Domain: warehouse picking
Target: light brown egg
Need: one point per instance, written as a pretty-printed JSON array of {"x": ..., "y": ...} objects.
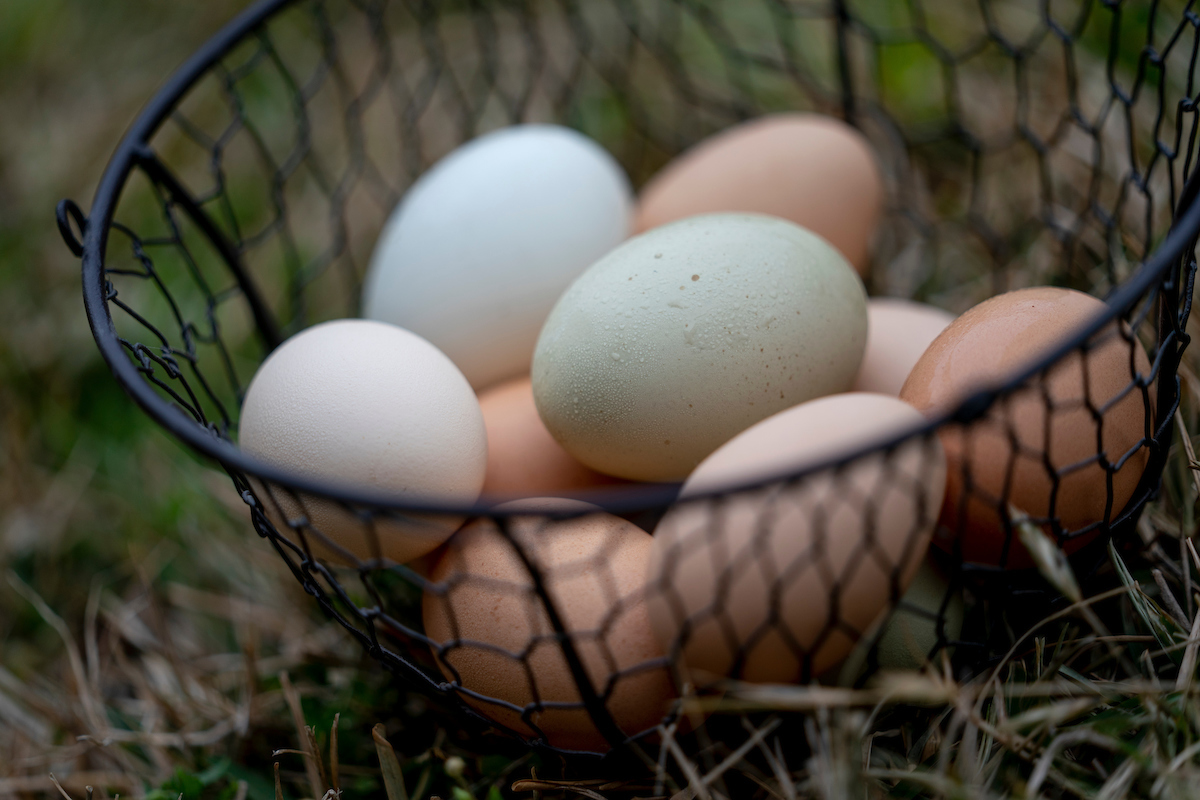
[
  {"x": 499, "y": 642},
  {"x": 763, "y": 581},
  {"x": 1104, "y": 413},
  {"x": 898, "y": 333},
  {"x": 814, "y": 170},
  {"x": 523, "y": 458}
]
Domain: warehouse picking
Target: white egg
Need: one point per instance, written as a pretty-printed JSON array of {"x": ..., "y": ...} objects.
[
  {"x": 483, "y": 244},
  {"x": 370, "y": 407},
  {"x": 685, "y": 336}
]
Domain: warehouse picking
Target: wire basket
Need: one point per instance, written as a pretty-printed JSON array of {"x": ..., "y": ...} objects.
[{"x": 1022, "y": 143}]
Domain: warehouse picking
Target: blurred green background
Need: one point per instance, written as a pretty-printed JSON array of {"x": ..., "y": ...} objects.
[
  {"x": 119, "y": 576},
  {"x": 85, "y": 477}
]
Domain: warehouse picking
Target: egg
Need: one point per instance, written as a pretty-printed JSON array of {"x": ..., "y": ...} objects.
[
  {"x": 365, "y": 407},
  {"x": 483, "y": 244},
  {"x": 898, "y": 333},
  {"x": 910, "y": 631},
  {"x": 777, "y": 584},
  {"x": 682, "y": 337},
  {"x": 1053, "y": 472},
  {"x": 813, "y": 170},
  {"x": 523, "y": 458},
  {"x": 491, "y": 634}
]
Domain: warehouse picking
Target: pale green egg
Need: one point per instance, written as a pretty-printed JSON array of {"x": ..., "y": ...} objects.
[
  {"x": 910, "y": 632},
  {"x": 683, "y": 337}
]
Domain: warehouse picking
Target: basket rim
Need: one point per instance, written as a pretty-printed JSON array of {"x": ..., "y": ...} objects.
[{"x": 134, "y": 145}]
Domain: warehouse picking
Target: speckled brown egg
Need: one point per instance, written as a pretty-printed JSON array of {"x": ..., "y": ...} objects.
[
  {"x": 523, "y": 459},
  {"x": 497, "y": 639},
  {"x": 814, "y": 170},
  {"x": 1057, "y": 469}
]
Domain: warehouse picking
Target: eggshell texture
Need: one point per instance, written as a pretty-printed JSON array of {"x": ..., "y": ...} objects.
[
  {"x": 813, "y": 170},
  {"x": 523, "y": 458},
  {"x": 498, "y": 640},
  {"x": 898, "y": 333},
  {"x": 369, "y": 407},
  {"x": 484, "y": 243},
  {"x": 684, "y": 336},
  {"x": 756, "y": 584},
  {"x": 911, "y": 631},
  {"x": 987, "y": 344}
]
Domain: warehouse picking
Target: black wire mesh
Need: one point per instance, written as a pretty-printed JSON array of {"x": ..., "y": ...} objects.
[{"x": 1022, "y": 144}]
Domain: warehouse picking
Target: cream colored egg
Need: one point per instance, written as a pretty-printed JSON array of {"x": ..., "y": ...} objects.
[
  {"x": 898, "y": 334},
  {"x": 683, "y": 337},
  {"x": 492, "y": 634},
  {"x": 777, "y": 584},
  {"x": 367, "y": 407}
]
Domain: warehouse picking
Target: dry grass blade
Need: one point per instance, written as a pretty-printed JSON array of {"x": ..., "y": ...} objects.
[
  {"x": 1050, "y": 716},
  {"x": 728, "y": 763},
  {"x": 1186, "y": 439},
  {"x": 91, "y": 705},
  {"x": 302, "y": 732},
  {"x": 574, "y": 787},
  {"x": 58, "y": 786},
  {"x": 1159, "y": 622},
  {"x": 1050, "y": 560},
  {"x": 311, "y": 737},
  {"x": 1168, "y": 598},
  {"x": 335, "y": 780},
  {"x": 770, "y": 697},
  {"x": 1187, "y": 669},
  {"x": 41, "y": 784},
  {"x": 1043, "y": 768},
  {"x": 778, "y": 764},
  {"x": 1119, "y": 783},
  {"x": 536, "y": 784},
  {"x": 689, "y": 770},
  {"x": 1195, "y": 556},
  {"x": 393, "y": 778}
]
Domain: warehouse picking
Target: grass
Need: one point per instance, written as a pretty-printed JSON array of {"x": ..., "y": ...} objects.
[{"x": 151, "y": 646}]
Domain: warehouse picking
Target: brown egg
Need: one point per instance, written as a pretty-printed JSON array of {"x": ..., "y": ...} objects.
[
  {"x": 813, "y": 170},
  {"x": 499, "y": 642},
  {"x": 523, "y": 458},
  {"x": 898, "y": 333},
  {"x": 758, "y": 584},
  {"x": 987, "y": 344}
]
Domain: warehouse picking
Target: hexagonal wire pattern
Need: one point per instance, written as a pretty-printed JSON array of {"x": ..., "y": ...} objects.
[{"x": 1022, "y": 143}]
